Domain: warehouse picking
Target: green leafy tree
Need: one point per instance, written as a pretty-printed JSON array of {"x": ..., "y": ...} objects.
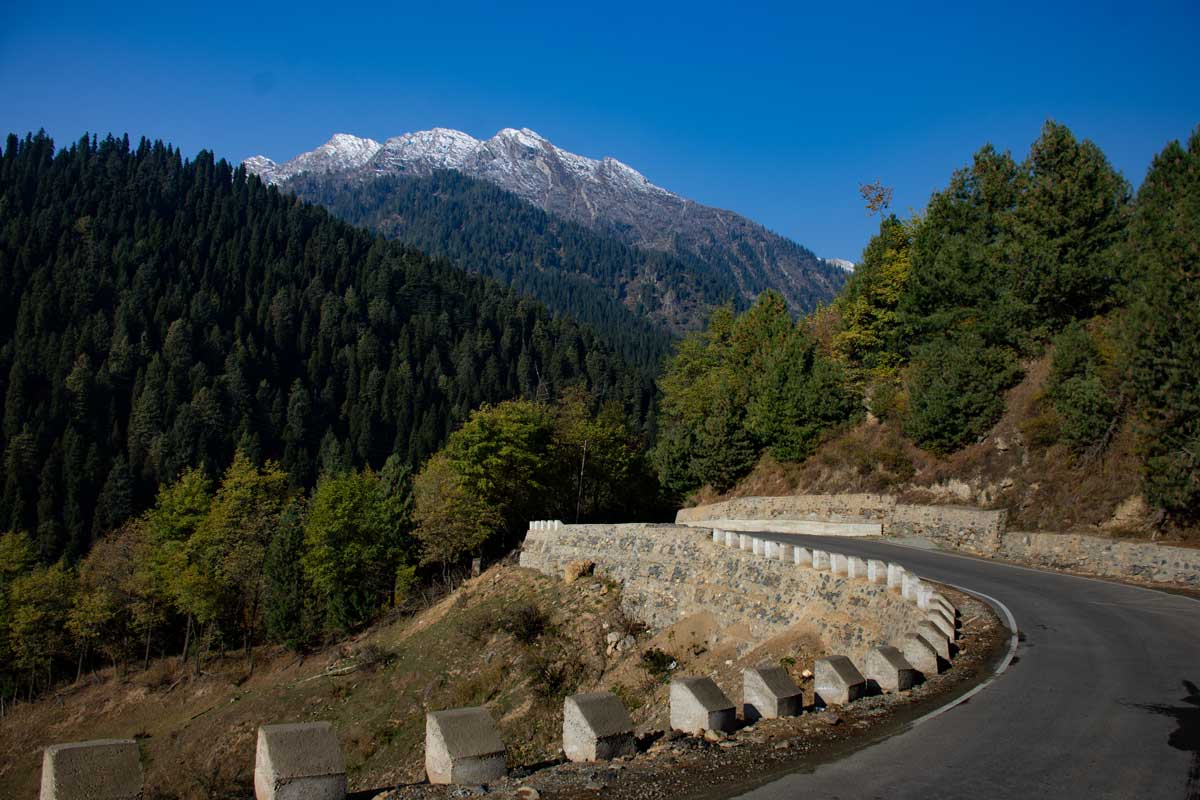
[
  {"x": 355, "y": 536},
  {"x": 452, "y": 521},
  {"x": 284, "y": 613},
  {"x": 39, "y": 604},
  {"x": 223, "y": 581}
]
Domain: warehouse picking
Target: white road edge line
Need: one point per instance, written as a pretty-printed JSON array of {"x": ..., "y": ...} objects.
[{"x": 1013, "y": 641}]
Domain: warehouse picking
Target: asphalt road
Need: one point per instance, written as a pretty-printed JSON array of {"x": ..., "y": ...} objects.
[{"x": 1100, "y": 701}]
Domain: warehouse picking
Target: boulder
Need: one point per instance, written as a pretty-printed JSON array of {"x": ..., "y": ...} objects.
[
  {"x": 837, "y": 681},
  {"x": 596, "y": 727},
  {"x": 300, "y": 761},
  {"x": 698, "y": 705},
  {"x": 462, "y": 745},
  {"x": 887, "y": 670},
  {"x": 107, "y": 769},
  {"x": 769, "y": 692}
]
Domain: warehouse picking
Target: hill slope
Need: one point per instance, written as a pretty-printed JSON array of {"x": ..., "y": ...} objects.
[
  {"x": 157, "y": 313},
  {"x": 605, "y": 195},
  {"x": 635, "y": 297}
]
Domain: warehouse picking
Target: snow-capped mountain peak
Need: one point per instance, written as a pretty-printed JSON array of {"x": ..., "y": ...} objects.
[
  {"x": 342, "y": 153},
  {"x": 840, "y": 262},
  {"x": 603, "y": 193}
]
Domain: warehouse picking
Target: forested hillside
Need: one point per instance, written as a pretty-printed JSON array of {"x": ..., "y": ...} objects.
[
  {"x": 633, "y": 297},
  {"x": 158, "y": 313},
  {"x": 1015, "y": 263}
]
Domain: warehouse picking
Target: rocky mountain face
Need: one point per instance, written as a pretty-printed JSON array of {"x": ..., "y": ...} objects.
[{"x": 605, "y": 195}]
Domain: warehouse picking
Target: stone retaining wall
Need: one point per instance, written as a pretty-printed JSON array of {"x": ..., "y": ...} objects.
[
  {"x": 973, "y": 530},
  {"x": 961, "y": 527},
  {"x": 670, "y": 571},
  {"x": 1097, "y": 555}
]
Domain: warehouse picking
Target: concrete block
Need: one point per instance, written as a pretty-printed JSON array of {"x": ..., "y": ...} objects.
[
  {"x": 877, "y": 571},
  {"x": 820, "y": 560},
  {"x": 895, "y": 576},
  {"x": 784, "y": 552},
  {"x": 920, "y": 653},
  {"x": 924, "y": 590},
  {"x": 596, "y": 727},
  {"x": 731, "y": 539},
  {"x": 839, "y": 564},
  {"x": 745, "y": 541},
  {"x": 756, "y": 545},
  {"x": 837, "y": 681},
  {"x": 940, "y": 601},
  {"x": 932, "y": 634},
  {"x": 299, "y": 762},
  {"x": 942, "y": 624},
  {"x": 698, "y": 705},
  {"x": 718, "y": 536},
  {"x": 888, "y": 670},
  {"x": 803, "y": 557},
  {"x": 769, "y": 692},
  {"x": 856, "y": 568},
  {"x": 936, "y": 610},
  {"x": 908, "y": 587},
  {"x": 102, "y": 769},
  {"x": 462, "y": 745}
]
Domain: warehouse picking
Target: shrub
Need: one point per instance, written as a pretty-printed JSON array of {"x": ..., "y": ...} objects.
[
  {"x": 524, "y": 621},
  {"x": 658, "y": 663}
]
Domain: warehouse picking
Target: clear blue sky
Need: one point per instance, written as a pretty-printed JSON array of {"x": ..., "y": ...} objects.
[{"x": 776, "y": 112}]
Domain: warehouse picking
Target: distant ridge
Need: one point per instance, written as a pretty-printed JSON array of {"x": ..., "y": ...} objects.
[{"x": 603, "y": 194}]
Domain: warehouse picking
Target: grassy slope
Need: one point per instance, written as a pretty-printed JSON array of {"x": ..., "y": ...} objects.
[{"x": 198, "y": 736}]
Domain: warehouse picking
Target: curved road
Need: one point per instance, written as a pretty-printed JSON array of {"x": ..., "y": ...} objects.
[{"x": 1101, "y": 700}]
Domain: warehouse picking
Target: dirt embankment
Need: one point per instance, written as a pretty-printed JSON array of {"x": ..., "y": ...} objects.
[{"x": 512, "y": 640}]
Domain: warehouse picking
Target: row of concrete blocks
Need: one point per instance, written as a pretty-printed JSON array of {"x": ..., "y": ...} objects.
[
  {"x": 463, "y": 746},
  {"x": 304, "y": 761},
  {"x": 894, "y": 576},
  {"x": 545, "y": 524}
]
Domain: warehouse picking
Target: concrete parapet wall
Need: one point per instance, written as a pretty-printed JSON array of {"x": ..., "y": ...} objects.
[{"x": 669, "y": 572}]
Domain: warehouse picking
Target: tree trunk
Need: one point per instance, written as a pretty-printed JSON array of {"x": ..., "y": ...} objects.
[
  {"x": 79, "y": 668},
  {"x": 187, "y": 638},
  {"x": 146, "y": 659},
  {"x": 579, "y": 496}
]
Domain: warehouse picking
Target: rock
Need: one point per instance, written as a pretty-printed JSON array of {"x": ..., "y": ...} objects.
[
  {"x": 784, "y": 745},
  {"x": 830, "y": 718},
  {"x": 806, "y": 674},
  {"x": 528, "y": 793},
  {"x": 714, "y": 736},
  {"x": 613, "y": 637},
  {"x": 578, "y": 569}
]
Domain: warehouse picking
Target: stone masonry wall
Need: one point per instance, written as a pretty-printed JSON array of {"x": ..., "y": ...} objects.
[
  {"x": 972, "y": 529},
  {"x": 1097, "y": 555},
  {"x": 669, "y": 572}
]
